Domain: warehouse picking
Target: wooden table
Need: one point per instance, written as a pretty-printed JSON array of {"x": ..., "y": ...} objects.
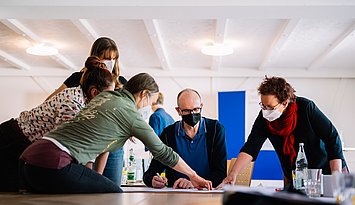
[{"x": 113, "y": 199}]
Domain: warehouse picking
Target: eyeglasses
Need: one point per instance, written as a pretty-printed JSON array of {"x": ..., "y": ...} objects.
[
  {"x": 268, "y": 107},
  {"x": 189, "y": 111}
]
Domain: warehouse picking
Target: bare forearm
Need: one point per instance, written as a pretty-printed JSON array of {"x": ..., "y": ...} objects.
[
  {"x": 89, "y": 165},
  {"x": 182, "y": 167},
  {"x": 242, "y": 161},
  {"x": 100, "y": 162},
  {"x": 335, "y": 165}
]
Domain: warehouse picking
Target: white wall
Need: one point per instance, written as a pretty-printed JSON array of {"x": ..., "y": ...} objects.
[{"x": 334, "y": 96}]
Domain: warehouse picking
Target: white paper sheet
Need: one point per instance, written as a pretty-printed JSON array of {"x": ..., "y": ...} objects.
[{"x": 166, "y": 189}]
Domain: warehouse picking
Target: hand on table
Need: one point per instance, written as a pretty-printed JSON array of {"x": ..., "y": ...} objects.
[
  {"x": 230, "y": 179},
  {"x": 183, "y": 183},
  {"x": 200, "y": 183},
  {"x": 159, "y": 182}
]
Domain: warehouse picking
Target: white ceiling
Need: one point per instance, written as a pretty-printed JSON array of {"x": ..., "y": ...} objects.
[{"x": 297, "y": 38}]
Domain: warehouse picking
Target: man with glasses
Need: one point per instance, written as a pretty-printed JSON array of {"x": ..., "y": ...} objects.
[
  {"x": 198, "y": 140},
  {"x": 287, "y": 120}
]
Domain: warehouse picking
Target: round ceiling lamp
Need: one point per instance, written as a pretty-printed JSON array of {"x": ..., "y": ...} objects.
[
  {"x": 42, "y": 50},
  {"x": 217, "y": 50}
]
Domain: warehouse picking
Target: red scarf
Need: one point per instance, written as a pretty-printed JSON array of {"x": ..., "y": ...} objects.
[{"x": 284, "y": 127}]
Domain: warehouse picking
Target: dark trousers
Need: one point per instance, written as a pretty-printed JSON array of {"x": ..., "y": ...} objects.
[
  {"x": 12, "y": 144},
  {"x": 72, "y": 179}
]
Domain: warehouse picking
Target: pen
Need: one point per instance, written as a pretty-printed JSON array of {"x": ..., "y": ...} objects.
[{"x": 166, "y": 184}]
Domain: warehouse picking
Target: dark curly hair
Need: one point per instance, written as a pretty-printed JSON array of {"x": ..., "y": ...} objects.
[{"x": 279, "y": 87}]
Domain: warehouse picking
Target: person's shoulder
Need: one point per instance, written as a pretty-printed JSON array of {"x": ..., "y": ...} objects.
[
  {"x": 68, "y": 92},
  {"x": 154, "y": 116},
  {"x": 213, "y": 123},
  {"x": 302, "y": 99},
  {"x": 174, "y": 124},
  {"x": 160, "y": 111},
  {"x": 304, "y": 102},
  {"x": 122, "y": 80},
  {"x": 171, "y": 127},
  {"x": 78, "y": 73},
  {"x": 210, "y": 121},
  {"x": 116, "y": 97},
  {"x": 74, "y": 79}
]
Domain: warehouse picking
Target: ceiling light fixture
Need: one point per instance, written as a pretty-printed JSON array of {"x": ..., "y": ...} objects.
[
  {"x": 42, "y": 50},
  {"x": 217, "y": 50}
]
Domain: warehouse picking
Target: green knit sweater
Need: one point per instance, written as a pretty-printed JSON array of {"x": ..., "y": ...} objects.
[{"x": 105, "y": 124}]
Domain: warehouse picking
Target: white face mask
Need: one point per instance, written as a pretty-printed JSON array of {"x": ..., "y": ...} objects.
[
  {"x": 110, "y": 64},
  {"x": 271, "y": 115},
  {"x": 145, "y": 111}
]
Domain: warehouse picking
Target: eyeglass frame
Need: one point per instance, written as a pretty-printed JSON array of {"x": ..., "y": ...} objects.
[
  {"x": 263, "y": 107},
  {"x": 190, "y": 111}
]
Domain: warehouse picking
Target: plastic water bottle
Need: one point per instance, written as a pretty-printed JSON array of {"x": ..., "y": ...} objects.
[
  {"x": 131, "y": 168},
  {"x": 301, "y": 169}
]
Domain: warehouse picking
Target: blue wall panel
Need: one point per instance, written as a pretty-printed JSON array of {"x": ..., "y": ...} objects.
[
  {"x": 231, "y": 113},
  {"x": 267, "y": 166}
]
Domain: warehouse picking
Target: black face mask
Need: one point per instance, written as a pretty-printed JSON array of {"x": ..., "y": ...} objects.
[{"x": 191, "y": 119}]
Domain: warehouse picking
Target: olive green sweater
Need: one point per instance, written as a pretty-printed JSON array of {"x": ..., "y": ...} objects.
[{"x": 105, "y": 124}]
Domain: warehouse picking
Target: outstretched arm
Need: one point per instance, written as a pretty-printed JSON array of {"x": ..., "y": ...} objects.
[
  {"x": 335, "y": 165},
  {"x": 242, "y": 161},
  {"x": 196, "y": 180}
]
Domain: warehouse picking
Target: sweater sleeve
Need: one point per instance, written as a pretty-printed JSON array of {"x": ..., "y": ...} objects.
[
  {"x": 154, "y": 167},
  {"x": 219, "y": 165},
  {"x": 324, "y": 128},
  {"x": 256, "y": 137},
  {"x": 141, "y": 130}
]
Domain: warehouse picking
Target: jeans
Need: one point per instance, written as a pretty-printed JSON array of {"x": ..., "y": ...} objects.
[
  {"x": 71, "y": 179},
  {"x": 114, "y": 165}
]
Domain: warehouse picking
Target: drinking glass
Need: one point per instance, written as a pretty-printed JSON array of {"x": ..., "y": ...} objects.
[{"x": 314, "y": 182}]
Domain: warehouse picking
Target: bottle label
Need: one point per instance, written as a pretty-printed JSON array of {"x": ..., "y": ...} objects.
[
  {"x": 131, "y": 176},
  {"x": 131, "y": 158},
  {"x": 300, "y": 179}
]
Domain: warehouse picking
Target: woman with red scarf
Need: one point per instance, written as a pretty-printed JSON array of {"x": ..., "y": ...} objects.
[{"x": 287, "y": 120}]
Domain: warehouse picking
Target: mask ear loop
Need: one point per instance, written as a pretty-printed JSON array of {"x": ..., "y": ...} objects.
[
  {"x": 148, "y": 99},
  {"x": 147, "y": 102},
  {"x": 142, "y": 103}
]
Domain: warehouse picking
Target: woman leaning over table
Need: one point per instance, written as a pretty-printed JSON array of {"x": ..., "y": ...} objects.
[
  {"x": 106, "y": 49},
  {"x": 55, "y": 164},
  {"x": 17, "y": 134},
  {"x": 287, "y": 120}
]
